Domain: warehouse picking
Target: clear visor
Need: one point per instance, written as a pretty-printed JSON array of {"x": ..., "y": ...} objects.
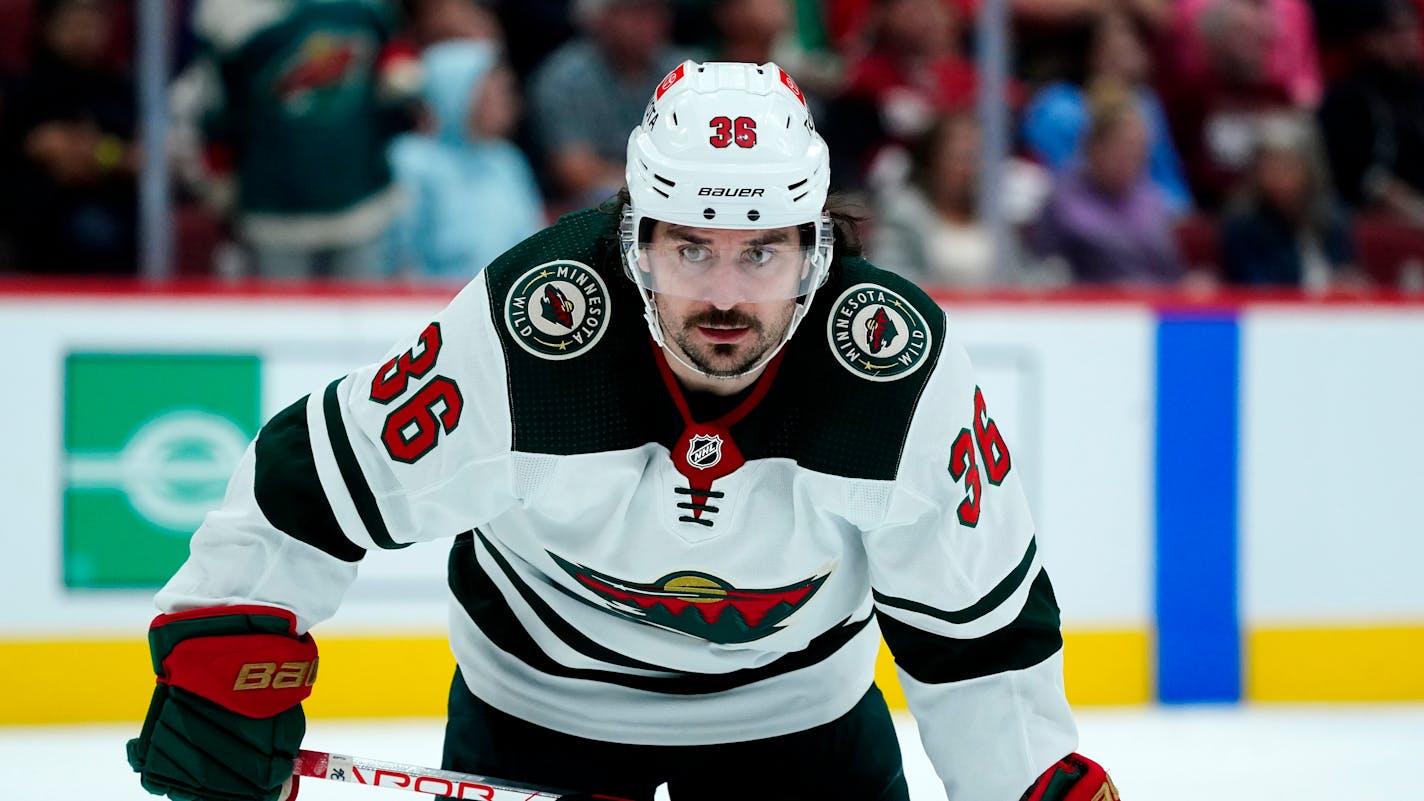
[{"x": 754, "y": 273}]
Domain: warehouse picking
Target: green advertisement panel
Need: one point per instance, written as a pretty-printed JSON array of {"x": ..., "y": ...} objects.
[{"x": 150, "y": 442}]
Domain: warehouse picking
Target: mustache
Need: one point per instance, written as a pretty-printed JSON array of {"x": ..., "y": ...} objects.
[{"x": 723, "y": 318}]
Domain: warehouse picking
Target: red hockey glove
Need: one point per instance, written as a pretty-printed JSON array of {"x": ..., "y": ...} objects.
[
  {"x": 1073, "y": 778},
  {"x": 226, "y": 721}
]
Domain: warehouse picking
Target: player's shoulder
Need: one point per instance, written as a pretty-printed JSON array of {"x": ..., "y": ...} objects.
[
  {"x": 877, "y": 328},
  {"x": 554, "y": 295},
  {"x": 861, "y": 282},
  {"x": 862, "y": 359},
  {"x": 571, "y": 330}
]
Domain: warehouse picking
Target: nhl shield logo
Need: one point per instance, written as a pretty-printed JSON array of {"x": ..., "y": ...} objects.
[
  {"x": 877, "y": 334},
  {"x": 557, "y": 310},
  {"x": 704, "y": 450}
]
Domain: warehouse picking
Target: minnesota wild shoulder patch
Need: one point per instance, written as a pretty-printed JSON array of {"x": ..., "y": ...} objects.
[
  {"x": 557, "y": 310},
  {"x": 877, "y": 334}
]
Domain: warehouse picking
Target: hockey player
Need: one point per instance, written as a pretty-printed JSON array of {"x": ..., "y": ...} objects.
[{"x": 697, "y": 457}]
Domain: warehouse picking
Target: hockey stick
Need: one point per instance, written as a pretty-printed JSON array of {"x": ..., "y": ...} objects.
[{"x": 417, "y": 779}]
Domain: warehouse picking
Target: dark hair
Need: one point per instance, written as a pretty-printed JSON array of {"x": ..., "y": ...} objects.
[{"x": 847, "y": 213}]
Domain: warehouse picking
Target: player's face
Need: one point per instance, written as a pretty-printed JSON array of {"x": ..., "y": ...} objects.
[{"x": 714, "y": 326}]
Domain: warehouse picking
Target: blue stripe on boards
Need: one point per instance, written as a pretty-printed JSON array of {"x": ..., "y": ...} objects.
[{"x": 1198, "y": 633}]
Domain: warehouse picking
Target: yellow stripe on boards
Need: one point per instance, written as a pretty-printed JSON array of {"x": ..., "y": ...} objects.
[
  {"x": 100, "y": 681},
  {"x": 84, "y": 681},
  {"x": 387, "y": 677},
  {"x": 1363, "y": 663},
  {"x": 89, "y": 681},
  {"x": 92, "y": 681},
  {"x": 1108, "y": 667}
]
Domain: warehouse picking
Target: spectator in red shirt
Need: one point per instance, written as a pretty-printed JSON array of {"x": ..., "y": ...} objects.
[
  {"x": 1214, "y": 110},
  {"x": 1292, "y": 63},
  {"x": 916, "y": 64},
  {"x": 914, "y": 68}
]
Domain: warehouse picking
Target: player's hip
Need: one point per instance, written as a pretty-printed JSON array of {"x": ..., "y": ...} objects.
[{"x": 855, "y": 755}]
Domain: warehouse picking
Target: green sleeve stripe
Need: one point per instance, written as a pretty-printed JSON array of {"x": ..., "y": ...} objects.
[
  {"x": 288, "y": 490},
  {"x": 929, "y": 658},
  {"x": 356, "y": 485},
  {"x": 978, "y": 609}
]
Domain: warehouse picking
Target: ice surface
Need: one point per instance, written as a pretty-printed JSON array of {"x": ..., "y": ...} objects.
[{"x": 1193, "y": 753}]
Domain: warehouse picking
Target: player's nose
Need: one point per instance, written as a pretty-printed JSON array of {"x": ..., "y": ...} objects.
[
  {"x": 727, "y": 285},
  {"x": 724, "y": 290}
]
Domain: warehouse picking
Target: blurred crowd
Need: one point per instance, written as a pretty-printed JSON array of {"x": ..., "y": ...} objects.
[{"x": 1162, "y": 142}]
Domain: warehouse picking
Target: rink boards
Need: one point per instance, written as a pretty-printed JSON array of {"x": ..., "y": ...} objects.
[{"x": 1227, "y": 492}]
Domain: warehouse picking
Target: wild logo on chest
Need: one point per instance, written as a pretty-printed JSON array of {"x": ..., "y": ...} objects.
[{"x": 697, "y": 604}]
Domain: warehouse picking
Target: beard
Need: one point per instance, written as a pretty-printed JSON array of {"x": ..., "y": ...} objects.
[{"x": 727, "y": 360}]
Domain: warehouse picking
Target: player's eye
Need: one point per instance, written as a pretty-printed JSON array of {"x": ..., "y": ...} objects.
[
  {"x": 695, "y": 254},
  {"x": 759, "y": 256}
]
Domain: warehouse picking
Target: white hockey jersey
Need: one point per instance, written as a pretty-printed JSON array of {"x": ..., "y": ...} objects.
[{"x": 634, "y": 567}]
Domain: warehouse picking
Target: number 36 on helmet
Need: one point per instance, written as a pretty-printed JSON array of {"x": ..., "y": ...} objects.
[{"x": 728, "y": 145}]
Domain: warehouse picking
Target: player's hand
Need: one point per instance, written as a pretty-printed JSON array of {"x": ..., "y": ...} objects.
[
  {"x": 1073, "y": 778},
  {"x": 225, "y": 722}
]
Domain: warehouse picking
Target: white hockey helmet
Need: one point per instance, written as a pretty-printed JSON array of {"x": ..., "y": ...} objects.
[{"x": 729, "y": 145}]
